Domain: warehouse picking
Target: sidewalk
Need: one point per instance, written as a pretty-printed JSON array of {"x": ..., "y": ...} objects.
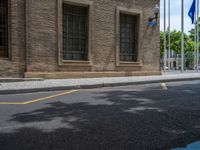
[{"x": 67, "y": 84}]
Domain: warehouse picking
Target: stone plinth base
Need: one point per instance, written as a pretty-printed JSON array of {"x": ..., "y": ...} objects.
[{"x": 65, "y": 75}]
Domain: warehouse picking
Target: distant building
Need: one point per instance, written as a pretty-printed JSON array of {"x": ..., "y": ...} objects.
[{"x": 78, "y": 38}]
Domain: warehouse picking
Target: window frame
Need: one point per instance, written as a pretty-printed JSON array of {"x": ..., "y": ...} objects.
[
  {"x": 7, "y": 32},
  {"x": 134, "y": 12},
  {"x": 79, "y": 53},
  {"x": 134, "y": 35},
  {"x": 82, "y": 3}
]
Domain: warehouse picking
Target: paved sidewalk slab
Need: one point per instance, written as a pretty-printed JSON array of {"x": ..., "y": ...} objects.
[{"x": 66, "y": 84}]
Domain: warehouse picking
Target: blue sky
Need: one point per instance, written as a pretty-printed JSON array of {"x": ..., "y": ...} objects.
[{"x": 176, "y": 15}]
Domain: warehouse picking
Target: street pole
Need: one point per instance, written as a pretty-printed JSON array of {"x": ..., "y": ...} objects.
[
  {"x": 195, "y": 37},
  {"x": 195, "y": 42},
  {"x": 165, "y": 53},
  {"x": 169, "y": 47},
  {"x": 197, "y": 59},
  {"x": 182, "y": 37}
]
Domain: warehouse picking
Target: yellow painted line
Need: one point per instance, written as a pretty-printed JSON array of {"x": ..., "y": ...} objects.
[
  {"x": 11, "y": 103},
  {"x": 37, "y": 100},
  {"x": 164, "y": 86}
]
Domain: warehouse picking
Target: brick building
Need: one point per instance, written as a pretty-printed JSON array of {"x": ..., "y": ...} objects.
[{"x": 78, "y": 38}]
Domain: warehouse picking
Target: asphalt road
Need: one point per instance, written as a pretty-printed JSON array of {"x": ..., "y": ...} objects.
[{"x": 142, "y": 117}]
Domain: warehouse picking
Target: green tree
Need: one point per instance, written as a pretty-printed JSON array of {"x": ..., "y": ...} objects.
[
  {"x": 161, "y": 43},
  {"x": 175, "y": 42},
  {"x": 192, "y": 31},
  {"x": 192, "y": 34}
]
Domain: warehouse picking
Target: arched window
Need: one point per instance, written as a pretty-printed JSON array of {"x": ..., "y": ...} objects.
[{"x": 3, "y": 28}]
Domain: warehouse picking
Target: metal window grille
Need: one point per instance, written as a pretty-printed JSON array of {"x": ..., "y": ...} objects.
[
  {"x": 128, "y": 37},
  {"x": 75, "y": 32},
  {"x": 3, "y": 28}
]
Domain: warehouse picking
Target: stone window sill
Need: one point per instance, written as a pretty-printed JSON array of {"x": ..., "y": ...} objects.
[
  {"x": 75, "y": 63},
  {"x": 4, "y": 59},
  {"x": 131, "y": 64}
]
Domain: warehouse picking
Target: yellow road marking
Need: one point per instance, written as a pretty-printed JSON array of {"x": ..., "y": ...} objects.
[
  {"x": 164, "y": 86},
  {"x": 11, "y": 103},
  {"x": 37, "y": 100},
  {"x": 49, "y": 97}
]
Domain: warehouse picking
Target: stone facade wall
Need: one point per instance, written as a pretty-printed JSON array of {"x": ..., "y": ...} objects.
[
  {"x": 35, "y": 39},
  {"x": 14, "y": 66}
]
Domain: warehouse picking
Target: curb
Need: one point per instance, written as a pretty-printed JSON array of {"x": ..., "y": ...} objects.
[
  {"x": 8, "y": 80},
  {"x": 48, "y": 89}
]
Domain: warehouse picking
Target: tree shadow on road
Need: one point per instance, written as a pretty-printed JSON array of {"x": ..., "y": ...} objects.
[{"x": 124, "y": 120}]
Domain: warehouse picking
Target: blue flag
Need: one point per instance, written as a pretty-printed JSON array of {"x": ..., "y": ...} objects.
[{"x": 192, "y": 10}]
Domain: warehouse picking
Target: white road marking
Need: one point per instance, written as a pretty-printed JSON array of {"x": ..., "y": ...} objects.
[{"x": 164, "y": 86}]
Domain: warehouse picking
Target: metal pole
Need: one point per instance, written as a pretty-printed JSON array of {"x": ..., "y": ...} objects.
[
  {"x": 169, "y": 47},
  {"x": 165, "y": 52},
  {"x": 182, "y": 37},
  {"x": 197, "y": 36}
]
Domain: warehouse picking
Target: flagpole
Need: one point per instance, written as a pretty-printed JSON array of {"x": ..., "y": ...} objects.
[
  {"x": 165, "y": 56},
  {"x": 182, "y": 37},
  {"x": 169, "y": 47},
  {"x": 193, "y": 15},
  {"x": 195, "y": 37},
  {"x": 197, "y": 56}
]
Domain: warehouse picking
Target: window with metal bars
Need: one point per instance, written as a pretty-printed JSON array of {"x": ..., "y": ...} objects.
[
  {"x": 75, "y": 32},
  {"x": 3, "y": 28},
  {"x": 128, "y": 37}
]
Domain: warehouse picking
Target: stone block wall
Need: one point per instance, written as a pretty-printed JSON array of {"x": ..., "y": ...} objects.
[
  {"x": 34, "y": 43},
  {"x": 14, "y": 66}
]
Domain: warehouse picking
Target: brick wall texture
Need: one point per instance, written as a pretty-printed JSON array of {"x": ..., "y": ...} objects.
[{"x": 33, "y": 40}]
